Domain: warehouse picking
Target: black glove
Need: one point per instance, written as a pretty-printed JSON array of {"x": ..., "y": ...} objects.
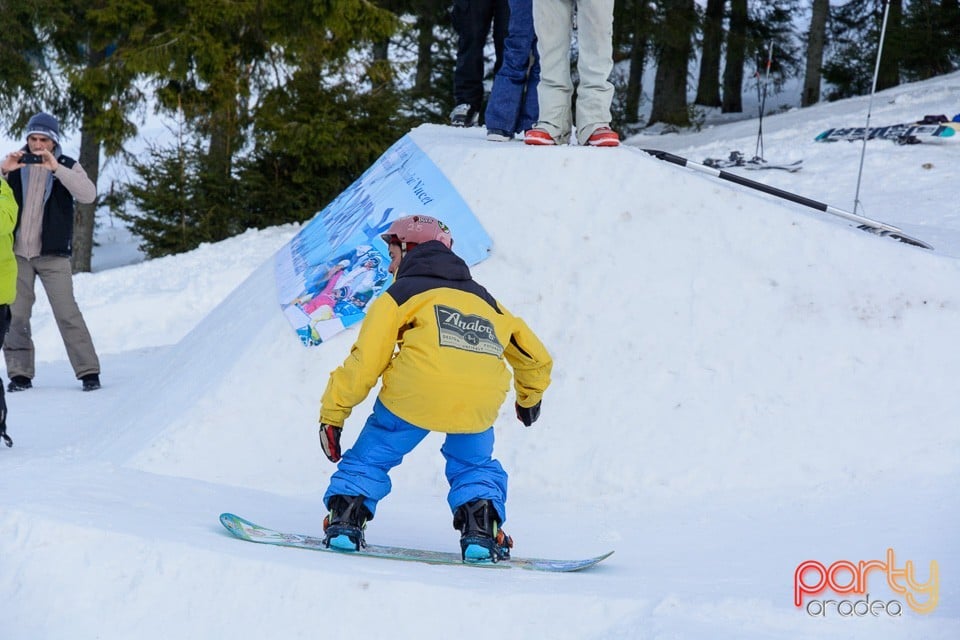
[
  {"x": 330, "y": 441},
  {"x": 528, "y": 415}
]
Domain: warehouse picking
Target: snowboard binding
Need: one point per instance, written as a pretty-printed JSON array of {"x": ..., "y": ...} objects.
[
  {"x": 343, "y": 526},
  {"x": 481, "y": 538}
]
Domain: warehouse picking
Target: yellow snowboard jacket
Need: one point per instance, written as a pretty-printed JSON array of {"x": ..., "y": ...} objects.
[{"x": 448, "y": 373}]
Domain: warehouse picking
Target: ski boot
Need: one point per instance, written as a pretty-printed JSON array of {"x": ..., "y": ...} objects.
[
  {"x": 343, "y": 526},
  {"x": 481, "y": 539}
]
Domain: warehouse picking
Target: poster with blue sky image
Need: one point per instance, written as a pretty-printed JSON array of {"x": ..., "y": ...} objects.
[{"x": 331, "y": 271}]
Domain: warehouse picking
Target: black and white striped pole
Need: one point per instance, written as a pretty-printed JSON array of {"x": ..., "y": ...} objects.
[{"x": 865, "y": 224}]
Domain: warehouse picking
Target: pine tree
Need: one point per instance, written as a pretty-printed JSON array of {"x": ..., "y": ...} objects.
[
  {"x": 855, "y": 36},
  {"x": 736, "y": 53},
  {"x": 771, "y": 26},
  {"x": 708, "y": 86},
  {"x": 21, "y": 49},
  {"x": 632, "y": 28},
  {"x": 931, "y": 40},
  {"x": 309, "y": 146},
  {"x": 894, "y": 46},
  {"x": 235, "y": 73},
  {"x": 674, "y": 42},
  {"x": 816, "y": 43},
  {"x": 170, "y": 214}
]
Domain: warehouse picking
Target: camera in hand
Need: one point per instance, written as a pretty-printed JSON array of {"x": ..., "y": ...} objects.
[{"x": 31, "y": 158}]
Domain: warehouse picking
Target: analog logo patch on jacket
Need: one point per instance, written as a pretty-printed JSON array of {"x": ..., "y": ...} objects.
[{"x": 467, "y": 332}]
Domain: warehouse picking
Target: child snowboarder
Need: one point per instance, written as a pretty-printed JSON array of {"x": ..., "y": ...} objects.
[{"x": 438, "y": 340}]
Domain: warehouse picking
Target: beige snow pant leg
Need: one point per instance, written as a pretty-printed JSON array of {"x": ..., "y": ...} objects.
[
  {"x": 594, "y": 66},
  {"x": 552, "y": 22},
  {"x": 56, "y": 275}
]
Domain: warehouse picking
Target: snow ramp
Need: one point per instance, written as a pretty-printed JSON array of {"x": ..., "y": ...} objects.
[{"x": 706, "y": 338}]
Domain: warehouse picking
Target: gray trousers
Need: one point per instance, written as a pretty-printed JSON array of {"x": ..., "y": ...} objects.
[
  {"x": 56, "y": 275},
  {"x": 553, "y": 22}
]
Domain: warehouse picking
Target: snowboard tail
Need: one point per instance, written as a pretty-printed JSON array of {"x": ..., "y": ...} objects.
[{"x": 246, "y": 530}]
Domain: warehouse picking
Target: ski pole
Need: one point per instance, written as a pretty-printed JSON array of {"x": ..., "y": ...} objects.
[
  {"x": 758, "y": 150},
  {"x": 865, "y": 224},
  {"x": 873, "y": 89}
]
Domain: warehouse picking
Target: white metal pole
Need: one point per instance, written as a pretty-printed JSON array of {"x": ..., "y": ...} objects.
[
  {"x": 758, "y": 151},
  {"x": 873, "y": 89}
]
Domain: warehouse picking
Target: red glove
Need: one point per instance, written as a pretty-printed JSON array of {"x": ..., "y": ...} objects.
[{"x": 330, "y": 441}]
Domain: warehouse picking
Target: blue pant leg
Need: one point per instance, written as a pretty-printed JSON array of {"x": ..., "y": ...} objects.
[
  {"x": 507, "y": 96},
  {"x": 381, "y": 445},
  {"x": 530, "y": 110},
  {"x": 472, "y": 472}
]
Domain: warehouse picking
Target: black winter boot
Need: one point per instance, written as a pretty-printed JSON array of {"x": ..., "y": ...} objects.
[
  {"x": 481, "y": 539},
  {"x": 91, "y": 381},
  {"x": 19, "y": 383},
  {"x": 345, "y": 523}
]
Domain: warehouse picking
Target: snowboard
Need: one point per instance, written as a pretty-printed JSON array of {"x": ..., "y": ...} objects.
[
  {"x": 246, "y": 530},
  {"x": 908, "y": 133}
]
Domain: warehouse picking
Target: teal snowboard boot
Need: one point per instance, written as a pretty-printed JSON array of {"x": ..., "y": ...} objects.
[
  {"x": 343, "y": 526},
  {"x": 481, "y": 538}
]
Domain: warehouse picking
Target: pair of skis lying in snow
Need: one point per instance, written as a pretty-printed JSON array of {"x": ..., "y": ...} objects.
[
  {"x": 930, "y": 129},
  {"x": 737, "y": 159}
]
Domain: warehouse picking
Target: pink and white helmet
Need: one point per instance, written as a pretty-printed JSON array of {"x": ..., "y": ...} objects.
[{"x": 413, "y": 230}]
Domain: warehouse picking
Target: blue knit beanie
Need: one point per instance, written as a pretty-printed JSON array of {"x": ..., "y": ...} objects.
[{"x": 44, "y": 124}]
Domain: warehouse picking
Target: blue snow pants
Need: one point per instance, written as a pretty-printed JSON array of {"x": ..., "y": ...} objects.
[
  {"x": 512, "y": 106},
  {"x": 472, "y": 472}
]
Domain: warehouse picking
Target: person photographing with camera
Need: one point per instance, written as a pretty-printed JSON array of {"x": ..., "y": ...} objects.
[{"x": 45, "y": 184}]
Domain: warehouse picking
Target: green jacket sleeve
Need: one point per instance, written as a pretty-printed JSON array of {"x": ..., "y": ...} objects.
[
  {"x": 8, "y": 263},
  {"x": 8, "y": 208}
]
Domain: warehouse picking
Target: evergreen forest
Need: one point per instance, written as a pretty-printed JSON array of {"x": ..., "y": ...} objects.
[{"x": 277, "y": 106}]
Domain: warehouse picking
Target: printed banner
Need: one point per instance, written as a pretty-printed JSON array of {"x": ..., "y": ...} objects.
[{"x": 337, "y": 264}]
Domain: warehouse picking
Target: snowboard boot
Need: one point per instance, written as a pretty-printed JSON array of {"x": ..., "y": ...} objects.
[
  {"x": 343, "y": 526},
  {"x": 481, "y": 539}
]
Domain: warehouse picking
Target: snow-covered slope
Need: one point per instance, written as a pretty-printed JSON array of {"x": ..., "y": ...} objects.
[{"x": 740, "y": 385}]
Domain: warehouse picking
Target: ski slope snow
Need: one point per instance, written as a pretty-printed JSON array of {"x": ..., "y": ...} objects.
[{"x": 741, "y": 385}]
